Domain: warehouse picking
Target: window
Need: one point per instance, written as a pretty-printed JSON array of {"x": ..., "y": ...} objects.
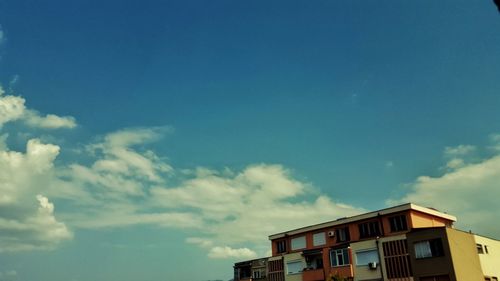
[
  {"x": 281, "y": 246},
  {"x": 339, "y": 257},
  {"x": 319, "y": 239},
  {"x": 343, "y": 234},
  {"x": 398, "y": 223},
  {"x": 494, "y": 279},
  {"x": 294, "y": 267},
  {"x": 479, "y": 249},
  {"x": 299, "y": 243},
  {"x": 486, "y": 249},
  {"x": 369, "y": 229},
  {"x": 429, "y": 249},
  {"x": 314, "y": 261},
  {"x": 259, "y": 273},
  {"x": 367, "y": 256}
]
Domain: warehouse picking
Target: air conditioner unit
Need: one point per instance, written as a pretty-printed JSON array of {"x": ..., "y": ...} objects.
[
  {"x": 331, "y": 233},
  {"x": 372, "y": 265}
]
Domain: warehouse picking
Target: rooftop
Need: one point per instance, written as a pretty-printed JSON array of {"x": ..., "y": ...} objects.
[{"x": 340, "y": 221}]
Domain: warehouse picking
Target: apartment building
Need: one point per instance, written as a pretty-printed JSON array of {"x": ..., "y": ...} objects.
[{"x": 390, "y": 244}]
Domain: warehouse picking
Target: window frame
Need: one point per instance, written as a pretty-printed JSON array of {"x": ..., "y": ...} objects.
[
  {"x": 299, "y": 239},
  {"x": 343, "y": 234},
  {"x": 480, "y": 249},
  {"x": 288, "y": 272},
  {"x": 435, "y": 248},
  {"x": 369, "y": 229},
  {"x": 281, "y": 246},
  {"x": 335, "y": 253},
  {"x": 398, "y": 223},
  {"x": 323, "y": 242},
  {"x": 375, "y": 250}
]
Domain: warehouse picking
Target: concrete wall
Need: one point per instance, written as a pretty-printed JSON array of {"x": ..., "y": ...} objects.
[
  {"x": 363, "y": 272},
  {"x": 490, "y": 262},
  {"x": 464, "y": 255},
  {"x": 289, "y": 258},
  {"x": 419, "y": 220}
]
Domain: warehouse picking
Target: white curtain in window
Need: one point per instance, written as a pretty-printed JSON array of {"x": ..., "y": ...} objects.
[{"x": 423, "y": 250}]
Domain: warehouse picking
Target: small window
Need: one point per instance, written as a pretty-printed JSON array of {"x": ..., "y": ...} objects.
[
  {"x": 339, "y": 257},
  {"x": 428, "y": 249},
  {"x": 494, "y": 279},
  {"x": 319, "y": 239},
  {"x": 369, "y": 229},
  {"x": 398, "y": 223},
  {"x": 343, "y": 234},
  {"x": 367, "y": 256},
  {"x": 479, "y": 249},
  {"x": 298, "y": 243},
  {"x": 294, "y": 267},
  {"x": 486, "y": 249},
  {"x": 256, "y": 274},
  {"x": 281, "y": 246}
]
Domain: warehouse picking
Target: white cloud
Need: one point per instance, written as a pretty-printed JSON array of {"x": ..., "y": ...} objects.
[
  {"x": 127, "y": 184},
  {"x": 458, "y": 151},
  {"x": 202, "y": 242},
  {"x": 470, "y": 192},
  {"x": 228, "y": 252},
  {"x": 49, "y": 121},
  {"x": 13, "y": 108},
  {"x": 26, "y": 224},
  {"x": 495, "y": 139}
]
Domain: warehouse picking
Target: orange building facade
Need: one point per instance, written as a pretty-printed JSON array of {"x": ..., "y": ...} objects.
[{"x": 366, "y": 247}]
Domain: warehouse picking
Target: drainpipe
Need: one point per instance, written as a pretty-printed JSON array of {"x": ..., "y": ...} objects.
[{"x": 379, "y": 258}]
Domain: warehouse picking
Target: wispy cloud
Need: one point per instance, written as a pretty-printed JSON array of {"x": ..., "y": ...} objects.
[
  {"x": 13, "y": 108},
  {"x": 228, "y": 252}
]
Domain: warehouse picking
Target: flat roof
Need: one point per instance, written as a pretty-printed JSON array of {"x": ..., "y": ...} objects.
[{"x": 340, "y": 221}]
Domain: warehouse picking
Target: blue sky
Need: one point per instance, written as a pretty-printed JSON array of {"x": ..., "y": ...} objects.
[{"x": 152, "y": 140}]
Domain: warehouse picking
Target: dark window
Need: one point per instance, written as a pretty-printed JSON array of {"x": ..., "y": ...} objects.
[
  {"x": 429, "y": 249},
  {"x": 369, "y": 229},
  {"x": 343, "y": 234},
  {"x": 479, "y": 249},
  {"x": 398, "y": 223},
  {"x": 486, "y": 249},
  {"x": 281, "y": 246}
]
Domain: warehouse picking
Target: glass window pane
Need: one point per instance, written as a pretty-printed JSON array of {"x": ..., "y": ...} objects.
[
  {"x": 319, "y": 239},
  {"x": 299, "y": 243},
  {"x": 294, "y": 267},
  {"x": 365, "y": 257}
]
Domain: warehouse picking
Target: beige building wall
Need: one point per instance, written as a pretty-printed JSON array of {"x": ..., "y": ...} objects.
[
  {"x": 490, "y": 258},
  {"x": 292, "y": 258},
  {"x": 464, "y": 255},
  {"x": 363, "y": 272}
]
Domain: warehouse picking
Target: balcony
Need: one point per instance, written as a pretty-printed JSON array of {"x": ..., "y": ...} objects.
[
  {"x": 313, "y": 275},
  {"x": 343, "y": 271}
]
